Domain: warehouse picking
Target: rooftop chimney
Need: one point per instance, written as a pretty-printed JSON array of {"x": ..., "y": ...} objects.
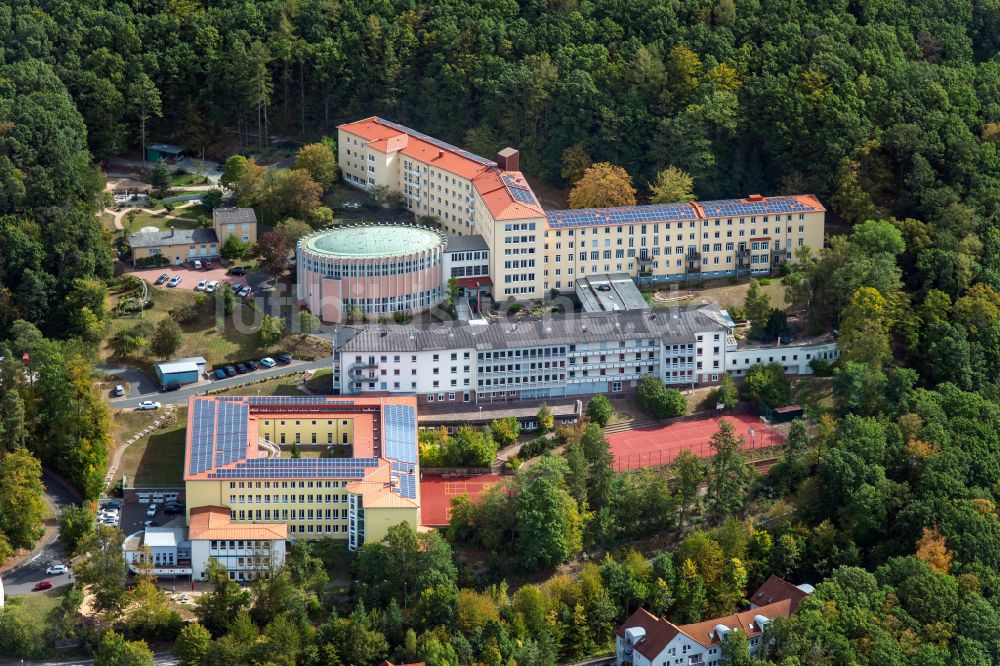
[
  {"x": 507, "y": 160},
  {"x": 755, "y": 197}
]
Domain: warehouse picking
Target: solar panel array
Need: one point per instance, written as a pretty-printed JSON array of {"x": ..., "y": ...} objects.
[
  {"x": 519, "y": 190},
  {"x": 587, "y": 217},
  {"x": 765, "y": 207},
  {"x": 231, "y": 435},
  {"x": 296, "y": 400},
  {"x": 400, "y": 433},
  {"x": 297, "y": 468},
  {"x": 408, "y": 486},
  {"x": 438, "y": 143},
  {"x": 202, "y": 437}
]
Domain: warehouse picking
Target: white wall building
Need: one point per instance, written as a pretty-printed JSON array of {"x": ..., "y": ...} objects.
[
  {"x": 647, "y": 640},
  {"x": 247, "y": 552},
  {"x": 557, "y": 356}
]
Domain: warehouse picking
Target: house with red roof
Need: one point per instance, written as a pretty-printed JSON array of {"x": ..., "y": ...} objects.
[{"x": 647, "y": 640}]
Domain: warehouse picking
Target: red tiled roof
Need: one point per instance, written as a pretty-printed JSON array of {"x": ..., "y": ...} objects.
[
  {"x": 775, "y": 598},
  {"x": 659, "y": 632},
  {"x": 704, "y": 632},
  {"x": 214, "y": 522},
  {"x": 776, "y": 589},
  {"x": 473, "y": 282},
  {"x": 486, "y": 178},
  {"x": 498, "y": 198}
]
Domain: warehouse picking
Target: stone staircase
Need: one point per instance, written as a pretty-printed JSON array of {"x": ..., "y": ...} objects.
[
  {"x": 168, "y": 412},
  {"x": 633, "y": 424}
]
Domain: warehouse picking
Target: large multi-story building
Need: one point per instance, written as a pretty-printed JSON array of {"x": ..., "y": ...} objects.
[
  {"x": 562, "y": 355},
  {"x": 367, "y": 480},
  {"x": 533, "y": 251},
  {"x": 358, "y": 475}
]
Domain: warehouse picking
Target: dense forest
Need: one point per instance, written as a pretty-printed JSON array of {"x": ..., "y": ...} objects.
[{"x": 882, "y": 108}]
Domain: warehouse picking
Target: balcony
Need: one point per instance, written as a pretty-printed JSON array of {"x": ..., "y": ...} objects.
[
  {"x": 645, "y": 260},
  {"x": 693, "y": 255},
  {"x": 694, "y": 267}
]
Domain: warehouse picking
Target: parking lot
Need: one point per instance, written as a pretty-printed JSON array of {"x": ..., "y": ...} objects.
[
  {"x": 134, "y": 515},
  {"x": 190, "y": 277}
]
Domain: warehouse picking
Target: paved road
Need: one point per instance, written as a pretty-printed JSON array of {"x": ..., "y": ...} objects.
[
  {"x": 139, "y": 383},
  {"x": 23, "y": 577},
  {"x": 181, "y": 396},
  {"x": 159, "y": 658}
]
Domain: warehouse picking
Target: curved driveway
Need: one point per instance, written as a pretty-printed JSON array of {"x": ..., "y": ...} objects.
[{"x": 23, "y": 577}]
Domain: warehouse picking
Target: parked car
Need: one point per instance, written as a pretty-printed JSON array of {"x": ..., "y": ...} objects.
[
  {"x": 236, "y": 270},
  {"x": 202, "y": 285},
  {"x": 174, "y": 281},
  {"x": 174, "y": 508},
  {"x": 42, "y": 585},
  {"x": 148, "y": 404},
  {"x": 119, "y": 390},
  {"x": 219, "y": 373},
  {"x": 230, "y": 371},
  {"x": 171, "y": 386},
  {"x": 150, "y": 523},
  {"x": 242, "y": 369},
  {"x": 243, "y": 291},
  {"x": 353, "y": 205},
  {"x": 196, "y": 264},
  {"x": 151, "y": 511},
  {"x": 267, "y": 362},
  {"x": 56, "y": 570},
  {"x": 210, "y": 287},
  {"x": 251, "y": 365},
  {"x": 283, "y": 359},
  {"x": 163, "y": 278}
]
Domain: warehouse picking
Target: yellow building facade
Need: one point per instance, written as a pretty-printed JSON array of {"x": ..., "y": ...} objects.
[
  {"x": 237, "y": 458},
  {"x": 176, "y": 246},
  {"x": 533, "y": 251}
]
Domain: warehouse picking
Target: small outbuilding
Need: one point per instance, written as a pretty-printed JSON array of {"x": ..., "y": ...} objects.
[
  {"x": 164, "y": 151},
  {"x": 181, "y": 371}
]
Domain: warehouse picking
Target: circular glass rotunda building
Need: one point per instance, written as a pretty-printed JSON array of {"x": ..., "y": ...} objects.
[{"x": 378, "y": 269}]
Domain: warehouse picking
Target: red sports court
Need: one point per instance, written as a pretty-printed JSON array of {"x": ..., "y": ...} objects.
[
  {"x": 436, "y": 493},
  {"x": 651, "y": 447}
]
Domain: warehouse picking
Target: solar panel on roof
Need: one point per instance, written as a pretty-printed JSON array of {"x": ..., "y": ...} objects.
[
  {"x": 202, "y": 437},
  {"x": 297, "y": 400},
  {"x": 519, "y": 191},
  {"x": 400, "y": 436}
]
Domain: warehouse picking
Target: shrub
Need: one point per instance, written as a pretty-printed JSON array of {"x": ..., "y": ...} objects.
[
  {"x": 821, "y": 367},
  {"x": 658, "y": 400},
  {"x": 599, "y": 410}
]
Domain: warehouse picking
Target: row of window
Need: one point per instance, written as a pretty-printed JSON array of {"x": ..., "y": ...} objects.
[{"x": 233, "y": 485}]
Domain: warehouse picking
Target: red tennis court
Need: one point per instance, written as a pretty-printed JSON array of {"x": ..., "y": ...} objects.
[
  {"x": 436, "y": 493},
  {"x": 651, "y": 447}
]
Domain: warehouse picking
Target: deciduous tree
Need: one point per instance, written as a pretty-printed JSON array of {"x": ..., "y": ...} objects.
[
  {"x": 602, "y": 185},
  {"x": 671, "y": 186},
  {"x": 319, "y": 161}
]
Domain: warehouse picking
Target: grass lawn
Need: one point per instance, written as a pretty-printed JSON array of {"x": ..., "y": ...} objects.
[
  {"x": 108, "y": 222},
  {"x": 181, "y": 179},
  {"x": 157, "y": 460},
  {"x": 321, "y": 379},
  {"x": 128, "y": 422},
  {"x": 161, "y": 221},
  {"x": 815, "y": 394},
  {"x": 218, "y": 344},
  {"x": 285, "y": 385},
  {"x": 722, "y": 294}
]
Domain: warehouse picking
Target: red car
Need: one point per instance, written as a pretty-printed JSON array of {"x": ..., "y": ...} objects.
[{"x": 43, "y": 585}]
